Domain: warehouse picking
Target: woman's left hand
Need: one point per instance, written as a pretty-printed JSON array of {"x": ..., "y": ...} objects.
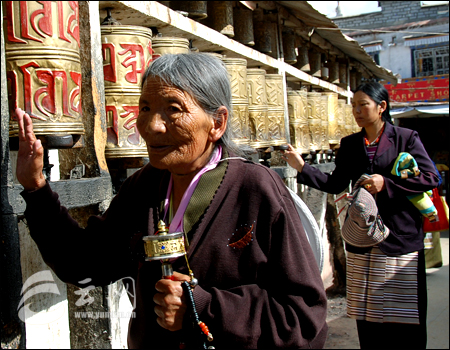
[
  {"x": 375, "y": 184},
  {"x": 170, "y": 303}
]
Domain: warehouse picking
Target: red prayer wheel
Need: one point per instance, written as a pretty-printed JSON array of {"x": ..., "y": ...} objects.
[{"x": 43, "y": 66}]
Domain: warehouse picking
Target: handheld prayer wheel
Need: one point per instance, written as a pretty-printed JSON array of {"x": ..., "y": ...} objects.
[
  {"x": 324, "y": 119},
  {"x": 43, "y": 68},
  {"x": 164, "y": 246},
  {"x": 127, "y": 52},
  {"x": 314, "y": 120},
  {"x": 243, "y": 32},
  {"x": 237, "y": 72},
  {"x": 275, "y": 109},
  {"x": 298, "y": 120},
  {"x": 290, "y": 55},
  {"x": 331, "y": 109},
  {"x": 162, "y": 45},
  {"x": 257, "y": 108},
  {"x": 220, "y": 14},
  {"x": 348, "y": 119}
]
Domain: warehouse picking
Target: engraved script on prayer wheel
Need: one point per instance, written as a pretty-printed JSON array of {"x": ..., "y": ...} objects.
[
  {"x": 298, "y": 120},
  {"x": 324, "y": 119},
  {"x": 348, "y": 119},
  {"x": 341, "y": 118},
  {"x": 332, "y": 105},
  {"x": 237, "y": 70},
  {"x": 127, "y": 52},
  {"x": 314, "y": 120},
  {"x": 43, "y": 65},
  {"x": 257, "y": 108},
  {"x": 275, "y": 109}
]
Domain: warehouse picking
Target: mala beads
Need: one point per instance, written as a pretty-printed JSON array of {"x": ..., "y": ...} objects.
[{"x": 204, "y": 328}]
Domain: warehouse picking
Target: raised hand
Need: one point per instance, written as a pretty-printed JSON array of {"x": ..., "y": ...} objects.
[
  {"x": 293, "y": 158},
  {"x": 30, "y": 158}
]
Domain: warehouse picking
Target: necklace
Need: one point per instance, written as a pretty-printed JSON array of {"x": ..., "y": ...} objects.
[{"x": 373, "y": 143}]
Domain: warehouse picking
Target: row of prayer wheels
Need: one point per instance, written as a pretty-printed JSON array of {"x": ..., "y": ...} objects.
[
  {"x": 44, "y": 78},
  {"x": 318, "y": 120}
]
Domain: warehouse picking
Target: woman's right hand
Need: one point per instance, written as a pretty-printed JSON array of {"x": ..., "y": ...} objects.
[
  {"x": 293, "y": 158},
  {"x": 30, "y": 158}
]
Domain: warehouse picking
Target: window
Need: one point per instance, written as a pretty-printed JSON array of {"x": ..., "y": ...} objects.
[{"x": 431, "y": 61}]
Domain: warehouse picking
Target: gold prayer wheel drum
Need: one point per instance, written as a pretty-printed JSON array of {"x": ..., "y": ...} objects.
[
  {"x": 43, "y": 68},
  {"x": 341, "y": 118},
  {"x": 332, "y": 110},
  {"x": 324, "y": 119},
  {"x": 126, "y": 55},
  {"x": 314, "y": 120},
  {"x": 298, "y": 120},
  {"x": 348, "y": 119},
  {"x": 169, "y": 45},
  {"x": 166, "y": 246},
  {"x": 237, "y": 72},
  {"x": 220, "y": 14},
  {"x": 243, "y": 32},
  {"x": 275, "y": 109},
  {"x": 257, "y": 108}
]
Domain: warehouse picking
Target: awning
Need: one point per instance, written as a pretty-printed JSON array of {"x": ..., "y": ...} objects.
[
  {"x": 409, "y": 41},
  {"x": 420, "y": 111},
  {"x": 373, "y": 48}
]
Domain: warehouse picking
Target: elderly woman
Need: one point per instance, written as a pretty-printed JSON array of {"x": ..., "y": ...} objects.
[{"x": 258, "y": 283}]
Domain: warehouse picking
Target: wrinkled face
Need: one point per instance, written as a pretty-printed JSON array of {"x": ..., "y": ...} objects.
[
  {"x": 176, "y": 129},
  {"x": 365, "y": 110}
]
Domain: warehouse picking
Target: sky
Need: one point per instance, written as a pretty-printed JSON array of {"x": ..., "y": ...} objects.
[{"x": 348, "y": 8}]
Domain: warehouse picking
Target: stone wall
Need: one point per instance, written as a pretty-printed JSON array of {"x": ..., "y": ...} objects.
[{"x": 393, "y": 13}]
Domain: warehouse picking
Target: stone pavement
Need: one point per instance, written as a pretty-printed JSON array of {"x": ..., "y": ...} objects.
[{"x": 342, "y": 332}]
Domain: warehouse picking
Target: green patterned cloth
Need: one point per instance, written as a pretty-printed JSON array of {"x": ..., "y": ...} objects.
[{"x": 405, "y": 166}]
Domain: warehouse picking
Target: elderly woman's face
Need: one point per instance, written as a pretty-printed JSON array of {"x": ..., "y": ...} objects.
[{"x": 176, "y": 129}]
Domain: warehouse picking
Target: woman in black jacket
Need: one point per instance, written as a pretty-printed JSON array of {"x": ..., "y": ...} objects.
[{"x": 386, "y": 283}]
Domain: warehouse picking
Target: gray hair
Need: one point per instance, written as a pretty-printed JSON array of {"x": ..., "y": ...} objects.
[{"x": 205, "y": 78}]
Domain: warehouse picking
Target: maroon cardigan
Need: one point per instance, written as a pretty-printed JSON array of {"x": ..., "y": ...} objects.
[
  {"x": 259, "y": 284},
  {"x": 398, "y": 213}
]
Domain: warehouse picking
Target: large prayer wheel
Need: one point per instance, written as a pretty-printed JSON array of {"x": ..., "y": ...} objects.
[
  {"x": 324, "y": 122},
  {"x": 162, "y": 45},
  {"x": 275, "y": 109},
  {"x": 127, "y": 52},
  {"x": 298, "y": 120},
  {"x": 341, "y": 118},
  {"x": 257, "y": 108},
  {"x": 314, "y": 120},
  {"x": 331, "y": 109},
  {"x": 243, "y": 31},
  {"x": 348, "y": 119},
  {"x": 43, "y": 68},
  {"x": 220, "y": 16},
  {"x": 237, "y": 71}
]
